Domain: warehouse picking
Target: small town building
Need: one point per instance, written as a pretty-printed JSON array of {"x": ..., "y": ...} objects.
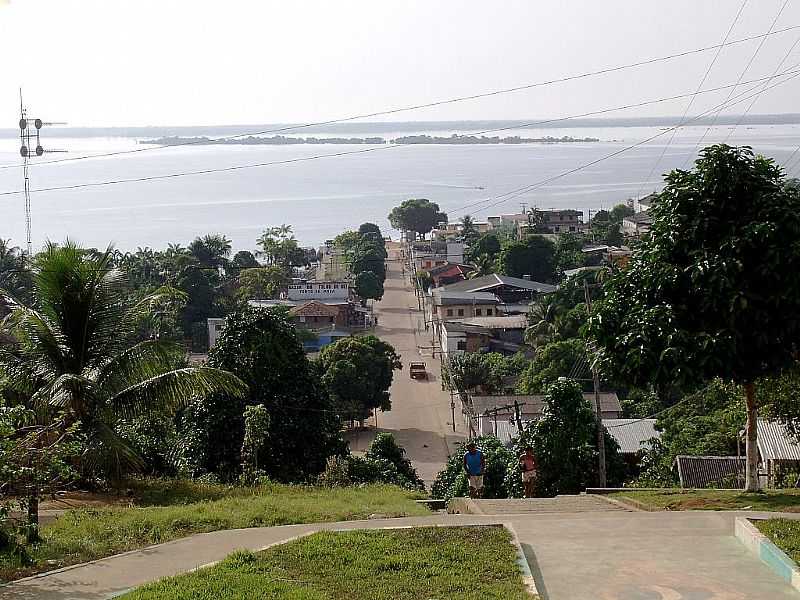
[
  {"x": 450, "y": 305},
  {"x": 448, "y": 273},
  {"x": 458, "y": 338},
  {"x": 638, "y": 224},
  {"x": 510, "y": 290},
  {"x": 433, "y": 253},
  {"x": 318, "y": 290},
  {"x": 491, "y": 410},
  {"x": 215, "y": 327}
]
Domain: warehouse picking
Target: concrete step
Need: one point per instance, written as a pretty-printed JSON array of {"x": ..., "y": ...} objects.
[{"x": 515, "y": 506}]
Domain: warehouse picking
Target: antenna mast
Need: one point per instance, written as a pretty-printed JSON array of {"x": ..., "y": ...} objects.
[{"x": 28, "y": 133}]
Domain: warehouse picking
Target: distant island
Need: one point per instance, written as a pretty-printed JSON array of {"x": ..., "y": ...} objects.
[
  {"x": 472, "y": 139},
  {"x": 281, "y": 140}
]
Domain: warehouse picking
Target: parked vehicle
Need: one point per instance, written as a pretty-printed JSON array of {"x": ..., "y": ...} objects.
[{"x": 417, "y": 370}]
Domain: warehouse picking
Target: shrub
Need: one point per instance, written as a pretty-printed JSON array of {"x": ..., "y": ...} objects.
[{"x": 451, "y": 482}]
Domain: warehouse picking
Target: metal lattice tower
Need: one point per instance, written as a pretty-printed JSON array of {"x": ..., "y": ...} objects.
[{"x": 29, "y": 133}]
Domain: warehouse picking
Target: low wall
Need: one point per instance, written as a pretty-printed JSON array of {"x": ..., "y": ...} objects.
[{"x": 767, "y": 552}]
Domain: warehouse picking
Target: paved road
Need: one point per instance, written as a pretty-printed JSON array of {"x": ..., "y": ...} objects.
[
  {"x": 420, "y": 418},
  {"x": 613, "y": 555}
]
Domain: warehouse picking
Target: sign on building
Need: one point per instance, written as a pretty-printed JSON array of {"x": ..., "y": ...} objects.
[{"x": 319, "y": 290}]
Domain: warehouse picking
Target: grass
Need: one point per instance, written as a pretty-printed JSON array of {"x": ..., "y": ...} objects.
[
  {"x": 787, "y": 500},
  {"x": 784, "y": 533},
  {"x": 187, "y": 508},
  {"x": 467, "y": 563}
]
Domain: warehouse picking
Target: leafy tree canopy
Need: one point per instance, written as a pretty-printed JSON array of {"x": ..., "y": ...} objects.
[
  {"x": 368, "y": 285},
  {"x": 418, "y": 215},
  {"x": 262, "y": 348},
  {"x": 358, "y": 371},
  {"x": 535, "y": 257}
]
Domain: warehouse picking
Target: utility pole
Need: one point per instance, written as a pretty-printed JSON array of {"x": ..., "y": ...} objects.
[
  {"x": 524, "y": 206},
  {"x": 517, "y": 415},
  {"x": 601, "y": 438},
  {"x": 453, "y": 408}
]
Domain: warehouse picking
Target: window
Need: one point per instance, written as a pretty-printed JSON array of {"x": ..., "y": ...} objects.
[
  {"x": 461, "y": 345},
  {"x": 477, "y": 312},
  {"x": 488, "y": 312},
  {"x": 449, "y": 312},
  {"x": 460, "y": 312}
]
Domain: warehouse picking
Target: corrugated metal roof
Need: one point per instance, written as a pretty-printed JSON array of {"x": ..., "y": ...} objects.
[
  {"x": 506, "y": 322},
  {"x": 632, "y": 435},
  {"x": 494, "y": 280},
  {"x": 444, "y": 297},
  {"x": 533, "y": 404},
  {"x": 710, "y": 471},
  {"x": 775, "y": 442}
]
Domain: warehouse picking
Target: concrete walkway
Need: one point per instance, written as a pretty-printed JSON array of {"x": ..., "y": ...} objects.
[{"x": 614, "y": 555}]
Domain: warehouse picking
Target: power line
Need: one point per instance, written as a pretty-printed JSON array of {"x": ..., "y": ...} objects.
[
  {"x": 741, "y": 76},
  {"x": 507, "y": 196},
  {"x": 373, "y": 149},
  {"x": 409, "y": 108},
  {"x": 694, "y": 96}
]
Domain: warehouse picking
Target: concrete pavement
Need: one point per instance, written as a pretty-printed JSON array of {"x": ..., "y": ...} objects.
[
  {"x": 420, "y": 418},
  {"x": 614, "y": 555}
]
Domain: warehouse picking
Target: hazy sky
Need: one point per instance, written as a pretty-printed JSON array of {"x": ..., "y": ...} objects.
[{"x": 181, "y": 62}]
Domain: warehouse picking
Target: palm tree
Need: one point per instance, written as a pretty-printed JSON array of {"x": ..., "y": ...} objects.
[
  {"x": 543, "y": 318},
  {"x": 73, "y": 354}
]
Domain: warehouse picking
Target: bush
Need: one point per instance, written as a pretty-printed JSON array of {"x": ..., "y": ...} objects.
[
  {"x": 385, "y": 448},
  {"x": 451, "y": 482},
  {"x": 153, "y": 438}
]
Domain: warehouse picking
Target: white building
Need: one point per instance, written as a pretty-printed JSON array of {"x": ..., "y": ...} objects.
[
  {"x": 215, "y": 327},
  {"x": 319, "y": 290}
]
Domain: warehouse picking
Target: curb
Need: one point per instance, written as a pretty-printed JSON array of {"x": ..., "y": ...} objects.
[
  {"x": 767, "y": 552},
  {"x": 620, "y": 502},
  {"x": 522, "y": 561}
]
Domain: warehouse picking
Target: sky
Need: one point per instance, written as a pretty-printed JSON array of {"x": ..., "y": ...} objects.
[{"x": 198, "y": 62}]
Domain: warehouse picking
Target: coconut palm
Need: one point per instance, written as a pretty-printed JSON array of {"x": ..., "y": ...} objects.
[
  {"x": 73, "y": 354},
  {"x": 543, "y": 318}
]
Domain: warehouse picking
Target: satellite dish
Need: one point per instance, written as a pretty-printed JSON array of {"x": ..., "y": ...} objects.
[
  {"x": 23, "y": 123},
  {"x": 38, "y": 123},
  {"x": 39, "y": 150},
  {"x": 24, "y": 151}
]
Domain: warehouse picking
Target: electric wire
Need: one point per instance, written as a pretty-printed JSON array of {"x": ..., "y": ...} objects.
[
  {"x": 515, "y": 193},
  {"x": 425, "y": 105},
  {"x": 753, "y": 102},
  {"x": 741, "y": 76},
  {"x": 372, "y": 149},
  {"x": 692, "y": 99}
]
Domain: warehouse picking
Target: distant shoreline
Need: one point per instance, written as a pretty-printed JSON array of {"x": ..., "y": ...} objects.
[
  {"x": 387, "y": 128},
  {"x": 280, "y": 140}
]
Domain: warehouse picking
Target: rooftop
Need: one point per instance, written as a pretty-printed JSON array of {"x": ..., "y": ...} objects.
[
  {"x": 534, "y": 403},
  {"x": 494, "y": 280},
  {"x": 632, "y": 435},
  {"x": 443, "y": 297},
  {"x": 509, "y": 322}
]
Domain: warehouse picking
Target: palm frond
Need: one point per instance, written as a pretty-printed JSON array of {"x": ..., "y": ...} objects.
[
  {"x": 175, "y": 389},
  {"x": 108, "y": 453},
  {"x": 138, "y": 363}
]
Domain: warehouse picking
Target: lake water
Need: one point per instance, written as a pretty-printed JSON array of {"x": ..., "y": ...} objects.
[{"x": 321, "y": 198}]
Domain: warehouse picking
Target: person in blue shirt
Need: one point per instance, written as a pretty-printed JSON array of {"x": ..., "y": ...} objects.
[{"x": 474, "y": 465}]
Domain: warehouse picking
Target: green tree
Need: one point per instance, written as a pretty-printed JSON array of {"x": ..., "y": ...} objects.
[
  {"x": 369, "y": 286},
  {"x": 261, "y": 283},
  {"x": 280, "y": 248},
  {"x": 564, "y": 442},
  {"x": 418, "y": 215},
  {"x": 568, "y": 253},
  {"x": 712, "y": 292},
  {"x": 371, "y": 232},
  {"x": 469, "y": 234},
  {"x": 619, "y": 212},
  {"x": 368, "y": 256},
  {"x": 534, "y": 257},
  {"x": 487, "y": 245},
  {"x": 347, "y": 240},
  {"x": 256, "y": 432},
  {"x": 211, "y": 250},
  {"x": 358, "y": 371},
  {"x": 261, "y": 347},
  {"x": 73, "y": 353},
  {"x": 198, "y": 285},
  {"x": 543, "y": 318},
  {"x": 465, "y": 372},
  {"x": 556, "y": 359},
  {"x": 244, "y": 259}
]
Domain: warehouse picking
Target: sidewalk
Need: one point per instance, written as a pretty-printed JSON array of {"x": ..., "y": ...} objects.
[{"x": 613, "y": 555}]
